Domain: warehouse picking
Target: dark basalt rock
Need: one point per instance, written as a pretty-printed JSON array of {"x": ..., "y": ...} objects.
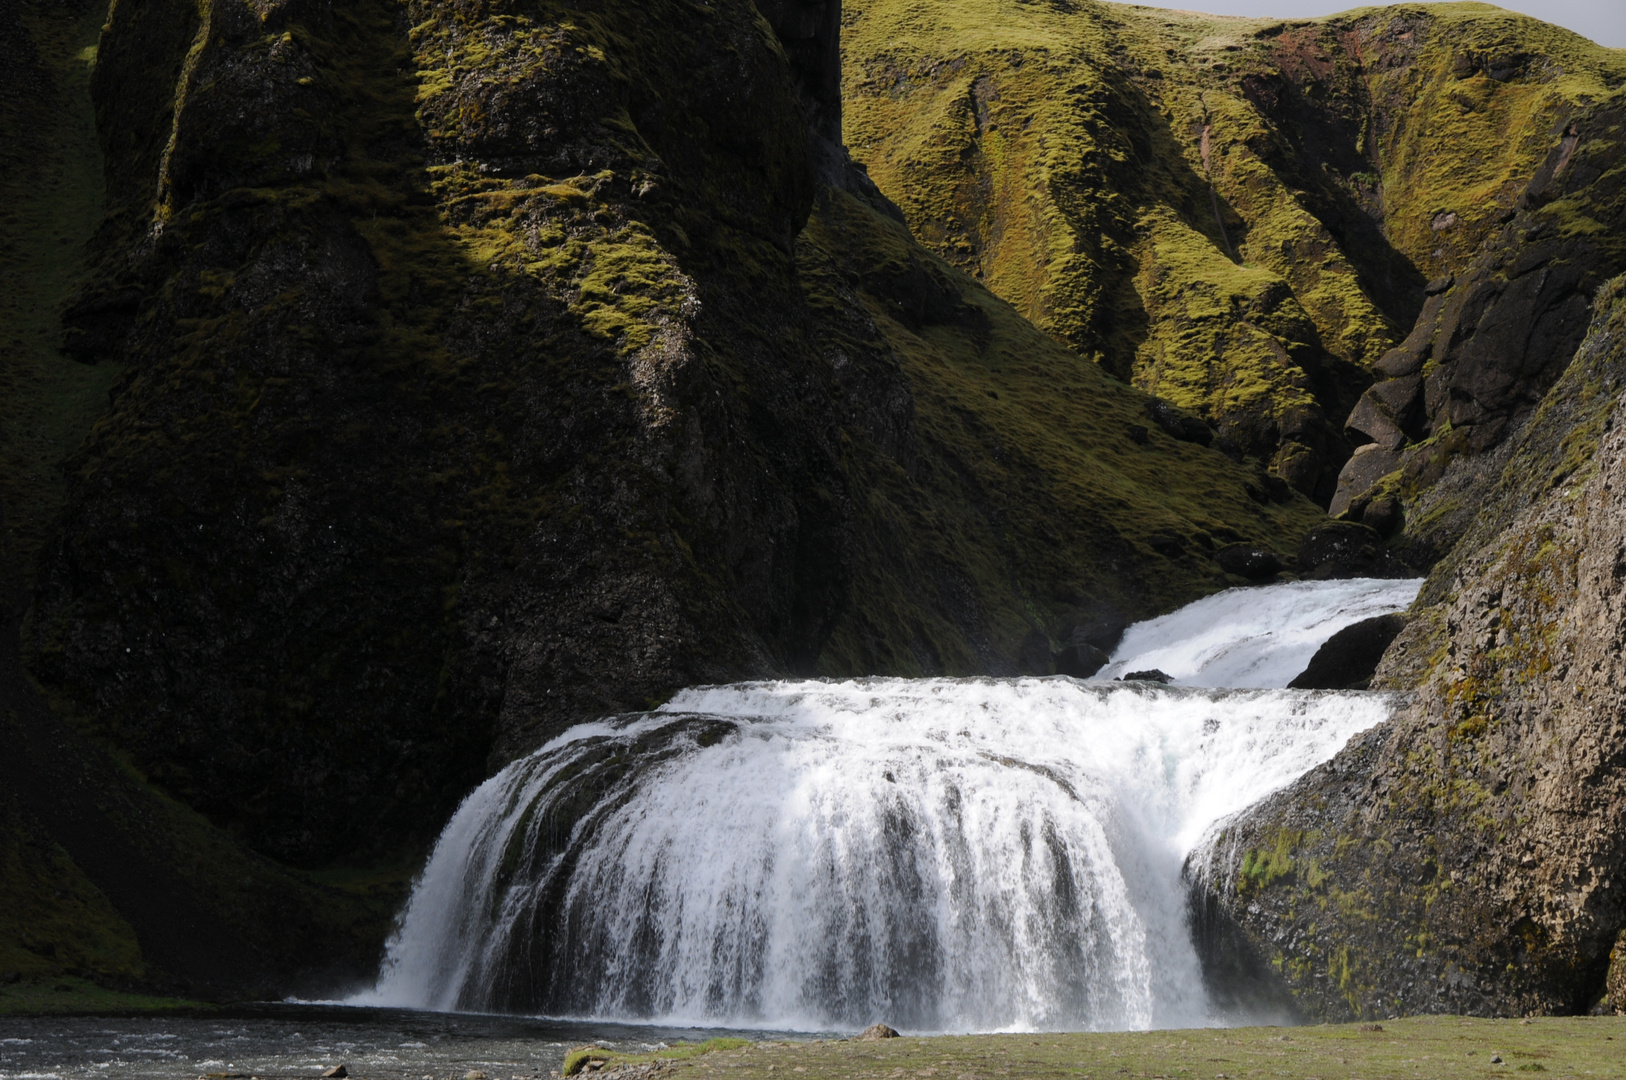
[
  {"x": 1248, "y": 560},
  {"x": 1102, "y": 629},
  {"x": 1347, "y": 549},
  {"x": 1149, "y": 675},
  {"x": 1491, "y": 340},
  {"x": 1036, "y": 653},
  {"x": 1347, "y": 660},
  {"x": 1179, "y": 425},
  {"x": 1080, "y": 660}
]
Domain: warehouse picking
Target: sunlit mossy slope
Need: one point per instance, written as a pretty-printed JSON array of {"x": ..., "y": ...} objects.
[{"x": 1239, "y": 215}]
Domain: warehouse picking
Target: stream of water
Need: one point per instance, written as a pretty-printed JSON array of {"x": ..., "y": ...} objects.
[{"x": 940, "y": 854}]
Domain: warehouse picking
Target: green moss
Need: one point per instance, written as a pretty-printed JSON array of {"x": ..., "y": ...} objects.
[
  {"x": 1025, "y": 475},
  {"x": 53, "y": 920},
  {"x": 1238, "y": 215},
  {"x": 68, "y": 994}
]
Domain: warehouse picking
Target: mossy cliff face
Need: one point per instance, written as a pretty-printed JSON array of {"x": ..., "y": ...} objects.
[
  {"x": 1468, "y": 856},
  {"x": 498, "y": 364},
  {"x": 1492, "y": 340},
  {"x": 1239, "y": 215}
]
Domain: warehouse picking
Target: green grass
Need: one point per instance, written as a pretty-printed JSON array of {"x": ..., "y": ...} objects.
[
  {"x": 73, "y": 995},
  {"x": 1434, "y": 1047}
]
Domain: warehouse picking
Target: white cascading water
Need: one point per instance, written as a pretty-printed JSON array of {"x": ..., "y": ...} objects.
[
  {"x": 941, "y": 854},
  {"x": 1254, "y": 637}
]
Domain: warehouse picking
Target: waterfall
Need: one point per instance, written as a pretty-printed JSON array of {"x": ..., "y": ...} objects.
[
  {"x": 941, "y": 854},
  {"x": 1255, "y": 637}
]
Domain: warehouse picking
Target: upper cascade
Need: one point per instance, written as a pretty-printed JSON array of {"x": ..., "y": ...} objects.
[{"x": 1260, "y": 637}]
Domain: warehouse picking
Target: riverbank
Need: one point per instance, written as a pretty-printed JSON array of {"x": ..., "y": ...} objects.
[
  {"x": 74, "y": 996},
  {"x": 1438, "y": 1047}
]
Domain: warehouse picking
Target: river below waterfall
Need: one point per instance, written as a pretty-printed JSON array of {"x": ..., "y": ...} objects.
[
  {"x": 289, "y": 1040},
  {"x": 938, "y": 854}
]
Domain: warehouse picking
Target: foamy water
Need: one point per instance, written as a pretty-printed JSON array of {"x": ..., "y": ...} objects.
[
  {"x": 1262, "y": 636},
  {"x": 940, "y": 854}
]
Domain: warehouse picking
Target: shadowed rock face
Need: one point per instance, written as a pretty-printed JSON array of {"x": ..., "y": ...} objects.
[
  {"x": 1468, "y": 856},
  {"x": 496, "y": 365}
]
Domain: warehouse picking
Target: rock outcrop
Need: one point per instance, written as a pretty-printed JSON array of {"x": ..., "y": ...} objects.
[
  {"x": 1349, "y": 659},
  {"x": 1468, "y": 856}
]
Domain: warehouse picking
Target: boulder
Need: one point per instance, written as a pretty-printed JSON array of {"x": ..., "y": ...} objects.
[
  {"x": 1346, "y": 549},
  {"x": 1368, "y": 465},
  {"x": 1347, "y": 660},
  {"x": 1248, "y": 560},
  {"x": 878, "y": 1031},
  {"x": 1178, "y": 424},
  {"x": 338, "y": 1072},
  {"x": 1149, "y": 675},
  {"x": 1080, "y": 660}
]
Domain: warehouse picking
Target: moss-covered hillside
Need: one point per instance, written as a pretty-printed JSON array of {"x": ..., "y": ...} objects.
[{"x": 1242, "y": 216}]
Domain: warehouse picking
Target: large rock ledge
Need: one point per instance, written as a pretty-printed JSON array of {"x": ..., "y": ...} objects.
[{"x": 1469, "y": 857}]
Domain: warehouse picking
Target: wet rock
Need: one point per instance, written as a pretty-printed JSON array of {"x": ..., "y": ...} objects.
[
  {"x": 878, "y": 1031},
  {"x": 338, "y": 1072},
  {"x": 1102, "y": 629},
  {"x": 1149, "y": 675},
  {"x": 1080, "y": 660},
  {"x": 1346, "y": 549},
  {"x": 1347, "y": 660},
  {"x": 1248, "y": 560}
]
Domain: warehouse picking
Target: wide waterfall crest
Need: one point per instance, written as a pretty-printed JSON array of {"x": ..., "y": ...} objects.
[{"x": 942, "y": 854}]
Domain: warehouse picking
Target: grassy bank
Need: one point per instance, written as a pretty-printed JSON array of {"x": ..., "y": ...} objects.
[
  {"x": 72, "y": 995},
  {"x": 1439, "y": 1047}
]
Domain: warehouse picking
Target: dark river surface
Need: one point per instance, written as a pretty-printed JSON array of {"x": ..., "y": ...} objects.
[{"x": 287, "y": 1040}]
